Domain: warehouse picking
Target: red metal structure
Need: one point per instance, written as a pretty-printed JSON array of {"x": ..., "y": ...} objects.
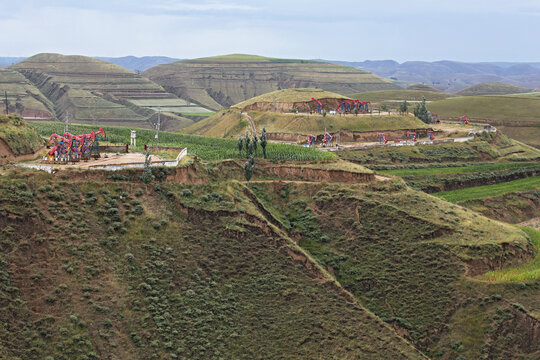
[
  {"x": 71, "y": 147},
  {"x": 320, "y": 106},
  {"x": 411, "y": 135},
  {"x": 430, "y": 135},
  {"x": 326, "y": 139},
  {"x": 347, "y": 106},
  {"x": 311, "y": 139},
  {"x": 464, "y": 120},
  {"x": 435, "y": 118}
]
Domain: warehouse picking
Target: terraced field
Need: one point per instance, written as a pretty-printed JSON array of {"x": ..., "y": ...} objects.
[
  {"x": 222, "y": 81},
  {"x": 94, "y": 91},
  {"x": 23, "y": 97}
]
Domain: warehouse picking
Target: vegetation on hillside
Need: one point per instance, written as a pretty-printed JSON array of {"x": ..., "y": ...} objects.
[
  {"x": 525, "y": 272},
  {"x": 21, "y": 138},
  {"x": 394, "y": 249},
  {"x": 187, "y": 271}
]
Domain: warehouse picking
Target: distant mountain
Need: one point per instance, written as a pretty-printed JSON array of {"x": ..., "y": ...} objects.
[
  {"x": 452, "y": 76},
  {"x": 138, "y": 64},
  {"x": 492, "y": 88},
  {"x": 91, "y": 91},
  {"x": 222, "y": 81},
  {"x": 8, "y": 61}
]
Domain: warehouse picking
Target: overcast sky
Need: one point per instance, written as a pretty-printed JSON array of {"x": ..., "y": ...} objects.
[{"x": 465, "y": 30}]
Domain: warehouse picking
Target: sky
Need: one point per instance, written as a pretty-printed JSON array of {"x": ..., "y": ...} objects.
[{"x": 348, "y": 30}]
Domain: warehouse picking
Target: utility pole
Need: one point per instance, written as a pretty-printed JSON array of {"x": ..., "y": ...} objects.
[
  {"x": 6, "y": 102},
  {"x": 66, "y": 126},
  {"x": 157, "y": 126}
]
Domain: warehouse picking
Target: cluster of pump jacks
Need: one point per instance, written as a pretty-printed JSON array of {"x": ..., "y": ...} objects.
[
  {"x": 68, "y": 147},
  {"x": 326, "y": 139}
]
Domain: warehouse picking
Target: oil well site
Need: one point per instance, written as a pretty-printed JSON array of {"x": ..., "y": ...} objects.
[{"x": 245, "y": 207}]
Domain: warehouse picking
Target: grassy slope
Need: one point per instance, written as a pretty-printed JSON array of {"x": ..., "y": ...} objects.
[
  {"x": 525, "y": 272},
  {"x": 390, "y": 247},
  {"x": 195, "y": 275},
  {"x": 503, "y": 108},
  {"x": 183, "y": 272},
  {"x": 230, "y": 123},
  {"x": 227, "y": 80},
  {"x": 491, "y": 88},
  {"x": 477, "y": 192},
  {"x": 204, "y": 147},
  {"x": 21, "y": 138},
  {"x": 290, "y": 96},
  {"x": 516, "y": 115}
]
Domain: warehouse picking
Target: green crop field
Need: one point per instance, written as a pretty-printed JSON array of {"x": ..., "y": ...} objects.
[
  {"x": 223, "y": 81},
  {"x": 206, "y": 148},
  {"x": 469, "y": 168},
  {"x": 479, "y": 192}
]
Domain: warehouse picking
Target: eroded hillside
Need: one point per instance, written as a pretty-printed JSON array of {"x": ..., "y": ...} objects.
[{"x": 96, "y": 265}]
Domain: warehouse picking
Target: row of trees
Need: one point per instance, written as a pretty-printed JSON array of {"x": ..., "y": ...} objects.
[{"x": 250, "y": 144}]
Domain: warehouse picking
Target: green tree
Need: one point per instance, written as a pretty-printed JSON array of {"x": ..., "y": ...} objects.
[
  {"x": 264, "y": 142},
  {"x": 247, "y": 143},
  {"x": 421, "y": 111},
  {"x": 240, "y": 145},
  {"x": 384, "y": 107},
  {"x": 248, "y": 168},
  {"x": 404, "y": 107},
  {"x": 254, "y": 141},
  {"x": 147, "y": 175}
]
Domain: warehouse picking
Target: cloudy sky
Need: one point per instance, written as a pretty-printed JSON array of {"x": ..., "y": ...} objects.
[{"x": 465, "y": 30}]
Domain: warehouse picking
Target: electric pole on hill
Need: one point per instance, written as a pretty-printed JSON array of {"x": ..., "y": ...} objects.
[
  {"x": 6, "y": 102},
  {"x": 158, "y": 125},
  {"x": 66, "y": 126}
]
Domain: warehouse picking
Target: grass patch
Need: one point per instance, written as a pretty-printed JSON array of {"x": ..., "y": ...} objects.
[{"x": 525, "y": 272}]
